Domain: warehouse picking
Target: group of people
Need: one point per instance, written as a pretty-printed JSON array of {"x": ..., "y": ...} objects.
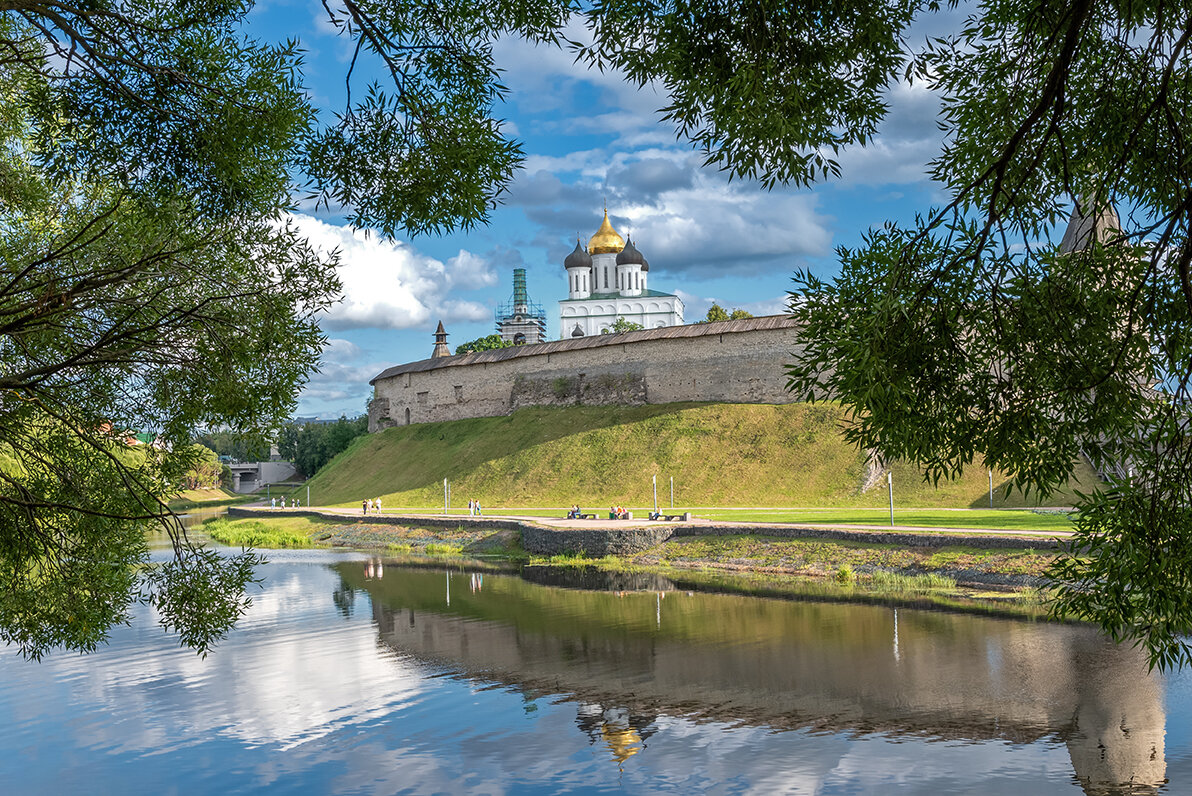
[
  {"x": 473, "y": 508},
  {"x": 297, "y": 504},
  {"x": 574, "y": 513},
  {"x": 373, "y": 505},
  {"x": 618, "y": 513}
]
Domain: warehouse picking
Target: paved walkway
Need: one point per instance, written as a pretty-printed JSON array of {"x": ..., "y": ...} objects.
[{"x": 755, "y": 527}]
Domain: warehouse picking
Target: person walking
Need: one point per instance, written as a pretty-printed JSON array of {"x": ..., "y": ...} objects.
[
  {"x": 378, "y": 505},
  {"x": 273, "y": 503},
  {"x": 477, "y": 508},
  {"x": 364, "y": 506}
]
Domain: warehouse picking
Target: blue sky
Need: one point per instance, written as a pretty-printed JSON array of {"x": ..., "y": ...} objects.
[{"x": 589, "y": 137}]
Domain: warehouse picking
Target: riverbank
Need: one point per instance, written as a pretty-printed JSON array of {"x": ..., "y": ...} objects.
[{"x": 1002, "y": 561}]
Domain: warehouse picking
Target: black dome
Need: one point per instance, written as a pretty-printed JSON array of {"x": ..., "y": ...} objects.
[
  {"x": 578, "y": 258},
  {"x": 630, "y": 255}
]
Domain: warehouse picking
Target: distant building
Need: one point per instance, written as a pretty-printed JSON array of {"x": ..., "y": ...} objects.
[
  {"x": 319, "y": 421},
  {"x": 607, "y": 281},
  {"x": 519, "y": 320}
]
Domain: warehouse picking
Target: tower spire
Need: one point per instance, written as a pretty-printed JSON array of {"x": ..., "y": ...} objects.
[{"x": 441, "y": 349}]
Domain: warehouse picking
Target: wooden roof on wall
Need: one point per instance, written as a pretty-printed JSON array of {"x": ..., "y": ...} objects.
[{"x": 764, "y": 323}]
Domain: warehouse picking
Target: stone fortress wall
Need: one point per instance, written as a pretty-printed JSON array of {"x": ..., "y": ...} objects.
[{"x": 728, "y": 361}]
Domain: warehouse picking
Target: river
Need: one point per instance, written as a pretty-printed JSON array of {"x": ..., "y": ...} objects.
[{"x": 353, "y": 675}]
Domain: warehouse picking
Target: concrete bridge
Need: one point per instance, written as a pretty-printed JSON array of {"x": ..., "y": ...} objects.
[{"x": 250, "y": 476}]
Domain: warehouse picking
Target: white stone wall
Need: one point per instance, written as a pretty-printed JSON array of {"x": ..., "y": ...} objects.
[
  {"x": 736, "y": 367},
  {"x": 579, "y": 283},
  {"x": 604, "y": 273},
  {"x": 597, "y": 315}
]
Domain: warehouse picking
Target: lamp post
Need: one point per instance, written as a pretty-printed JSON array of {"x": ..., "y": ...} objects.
[
  {"x": 890, "y": 484},
  {"x": 654, "y": 481},
  {"x": 672, "y": 479}
]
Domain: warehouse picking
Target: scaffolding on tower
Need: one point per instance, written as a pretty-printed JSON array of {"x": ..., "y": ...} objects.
[{"x": 519, "y": 320}]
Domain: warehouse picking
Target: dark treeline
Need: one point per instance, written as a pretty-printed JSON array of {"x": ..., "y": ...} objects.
[
  {"x": 311, "y": 445},
  {"x": 207, "y": 472},
  {"x": 239, "y": 447},
  {"x": 308, "y": 445}
]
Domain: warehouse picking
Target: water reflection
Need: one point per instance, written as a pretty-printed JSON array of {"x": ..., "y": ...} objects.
[
  {"x": 629, "y": 657},
  {"x": 338, "y": 681},
  {"x": 617, "y": 729},
  {"x": 195, "y": 517}
]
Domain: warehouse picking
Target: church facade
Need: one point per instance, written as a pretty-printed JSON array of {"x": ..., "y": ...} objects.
[{"x": 608, "y": 280}]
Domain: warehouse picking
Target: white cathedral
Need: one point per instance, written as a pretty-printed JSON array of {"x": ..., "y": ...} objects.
[{"x": 607, "y": 281}]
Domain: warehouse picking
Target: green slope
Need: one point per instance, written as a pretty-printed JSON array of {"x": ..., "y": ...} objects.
[{"x": 718, "y": 454}]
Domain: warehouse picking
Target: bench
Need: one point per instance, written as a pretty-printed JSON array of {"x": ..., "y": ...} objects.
[
  {"x": 684, "y": 517},
  {"x": 582, "y": 517}
]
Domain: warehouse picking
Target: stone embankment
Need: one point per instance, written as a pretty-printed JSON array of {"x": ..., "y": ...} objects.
[{"x": 546, "y": 536}]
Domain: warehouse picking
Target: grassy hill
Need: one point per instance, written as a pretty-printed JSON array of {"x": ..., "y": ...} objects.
[{"x": 718, "y": 454}]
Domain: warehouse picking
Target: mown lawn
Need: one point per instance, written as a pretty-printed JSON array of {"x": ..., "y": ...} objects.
[
  {"x": 977, "y": 519},
  {"x": 924, "y": 518}
]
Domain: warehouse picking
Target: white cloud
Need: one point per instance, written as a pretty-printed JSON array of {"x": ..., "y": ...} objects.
[
  {"x": 547, "y": 84},
  {"x": 338, "y": 384},
  {"x": 469, "y": 271},
  {"x": 717, "y": 227},
  {"x": 391, "y": 285},
  {"x": 685, "y": 220},
  {"x": 340, "y": 349},
  {"x": 340, "y": 379},
  {"x": 585, "y": 161},
  {"x": 543, "y": 78},
  {"x": 907, "y": 141}
]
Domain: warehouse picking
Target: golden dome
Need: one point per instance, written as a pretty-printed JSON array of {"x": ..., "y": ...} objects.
[
  {"x": 606, "y": 240},
  {"x": 623, "y": 742}
]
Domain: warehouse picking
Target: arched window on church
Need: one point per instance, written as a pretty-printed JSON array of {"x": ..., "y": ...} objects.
[
  {"x": 519, "y": 339},
  {"x": 407, "y": 415},
  {"x": 605, "y": 278}
]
